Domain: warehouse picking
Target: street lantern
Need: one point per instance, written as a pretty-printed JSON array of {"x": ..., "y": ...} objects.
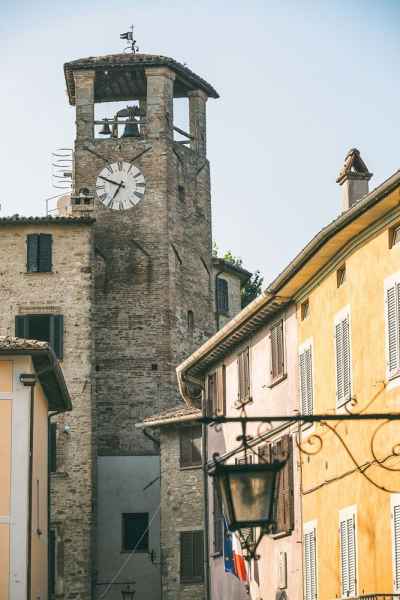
[
  {"x": 128, "y": 593},
  {"x": 247, "y": 492}
]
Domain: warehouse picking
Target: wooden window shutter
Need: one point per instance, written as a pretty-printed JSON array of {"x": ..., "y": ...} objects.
[
  {"x": 310, "y": 565},
  {"x": 277, "y": 351},
  {"x": 284, "y": 492},
  {"x": 218, "y": 522},
  {"x": 32, "y": 253},
  {"x": 306, "y": 384},
  {"x": 393, "y": 328},
  {"x": 196, "y": 441},
  {"x": 244, "y": 376},
  {"x": 343, "y": 361},
  {"x": 211, "y": 391},
  {"x": 348, "y": 556},
  {"x": 45, "y": 252},
  {"x": 220, "y": 391},
  {"x": 396, "y": 546},
  {"x": 192, "y": 558},
  {"x": 22, "y": 326}
]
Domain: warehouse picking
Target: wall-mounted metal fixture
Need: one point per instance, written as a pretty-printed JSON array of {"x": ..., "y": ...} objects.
[{"x": 27, "y": 379}]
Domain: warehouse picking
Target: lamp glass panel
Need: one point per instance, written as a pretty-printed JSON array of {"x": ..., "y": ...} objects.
[{"x": 252, "y": 494}]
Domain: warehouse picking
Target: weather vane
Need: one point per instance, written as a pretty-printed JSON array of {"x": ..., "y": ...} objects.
[{"x": 128, "y": 36}]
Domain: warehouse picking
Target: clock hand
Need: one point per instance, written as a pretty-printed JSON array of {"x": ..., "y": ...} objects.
[
  {"x": 121, "y": 184},
  {"x": 116, "y": 191}
]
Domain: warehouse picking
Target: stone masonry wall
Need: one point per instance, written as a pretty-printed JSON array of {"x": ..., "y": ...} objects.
[
  {"x": 67, "y": 291},
  {"x": 182, "y": 510}
]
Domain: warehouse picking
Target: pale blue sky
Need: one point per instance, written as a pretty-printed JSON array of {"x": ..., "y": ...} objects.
[{"x": 300, "y": 82}]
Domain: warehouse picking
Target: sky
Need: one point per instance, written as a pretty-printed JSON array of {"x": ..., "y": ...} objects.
[{"x": 300, "y": 83}]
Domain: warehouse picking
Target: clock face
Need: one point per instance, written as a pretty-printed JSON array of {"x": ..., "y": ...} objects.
[{"x": 120, "y": 185}]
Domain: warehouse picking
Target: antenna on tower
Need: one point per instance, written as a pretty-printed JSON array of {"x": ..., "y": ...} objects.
[{"x": 128, "y": 36}]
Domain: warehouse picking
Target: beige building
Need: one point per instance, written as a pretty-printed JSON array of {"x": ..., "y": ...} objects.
[{"x": 32, "y": 389}]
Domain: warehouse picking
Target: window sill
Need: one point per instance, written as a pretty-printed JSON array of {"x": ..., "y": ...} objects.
[
  {"x": 281, "y": 534},
  {"x": 191, "y": 468},
  {"x": 29, "y": 273},
  {"x": 240, "y": 403},
  {"x": 191, "y": 581},
  {"x": 136, "y": 551},
  {"x": 277, "y": 381}
]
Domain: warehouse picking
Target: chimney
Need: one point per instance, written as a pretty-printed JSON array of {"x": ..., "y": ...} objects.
[{"x": 353, "y": 178}]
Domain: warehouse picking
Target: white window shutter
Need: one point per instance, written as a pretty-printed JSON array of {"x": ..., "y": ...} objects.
[
  {"x": 310, "y": 565},
  {"x": 343, "y": 361},
  {"x": 348, "y": 566},
  {"x": 393, "y": 327},
  {"x": 306, "y": 385},
  {"x": 396, "y": 546}
]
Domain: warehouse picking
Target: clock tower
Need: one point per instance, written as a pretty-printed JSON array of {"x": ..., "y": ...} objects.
[{"x": 147, "y": 183}]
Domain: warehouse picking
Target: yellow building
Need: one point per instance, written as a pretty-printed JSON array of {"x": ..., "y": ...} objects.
[
  {"x": 31, "y": 385},
  {"x": 348, "y": 309}
]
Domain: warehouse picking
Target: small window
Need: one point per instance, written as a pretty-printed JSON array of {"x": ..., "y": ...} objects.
[
  {"x": 305, "y": 309},
  {"x": 190, "y": 321},
  {"x": 190, "y": 446},
  {"x": 45, "y": 328},
  {"x": 277, "y": 352},
  {"x": 216, "y": 392},
  {"x": 52, "y": 447},
  {"x": 181, "y": 193},
  {"x": 222, "y": 296},
  {"x": 341, "y": 275},
  {"x": 135, "y": 532},
  {"x": 243, "y": 363},
  {"x": 394, "y": 236},
  {"x": 39, "y": 253},
  {"x": 192, "y": 556}
]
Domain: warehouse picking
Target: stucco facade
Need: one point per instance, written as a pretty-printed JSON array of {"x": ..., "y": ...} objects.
[{"x": 353, "y": 469}]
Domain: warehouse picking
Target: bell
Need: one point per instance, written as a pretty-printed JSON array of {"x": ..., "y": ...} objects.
[
  {"x": 105, "y": 130},
  {"x": 131, "y": 130}
]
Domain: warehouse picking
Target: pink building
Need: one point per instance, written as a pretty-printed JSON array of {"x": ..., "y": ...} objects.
[{"x": 252, "y": 362}]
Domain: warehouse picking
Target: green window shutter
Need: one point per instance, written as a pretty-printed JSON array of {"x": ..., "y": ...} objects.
[
  {"x": 52, "y": 448},
  {"x": 198, "y": 555},
  {"x": 186, "y": 556},
  {"x": 22, "y": 326},
  {"x": 45, "y": 252},
  {"x": 32, "y": 253},
  {"x": 57, "y": 334}
]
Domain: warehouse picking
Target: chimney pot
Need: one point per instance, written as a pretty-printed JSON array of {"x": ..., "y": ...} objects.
[{"x": 353, "y": 178}]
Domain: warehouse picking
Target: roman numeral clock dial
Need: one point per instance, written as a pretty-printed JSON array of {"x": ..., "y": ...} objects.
[{"x": 120, "y": 185}]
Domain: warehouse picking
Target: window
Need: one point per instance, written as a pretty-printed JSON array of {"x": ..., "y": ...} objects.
[
  {"x": 395, "y": 502},
  {"x": 135, "y": 533},
  {"x": 393, "y": 328},
  {"x": 216, "y": 392},
  {"x": 305, "y": 309},
  {"x": 277, "y": 352},
  {"x": 284, "y": 493},
  {"x": 310, "y": 561},
  {"x": 306, "y": 380},
  {"x": 222, "y": 296},
  {"x": 52, "y": 448},
  {"x": 243, "y": 363},
  {"x": 38, "y": 253},
  {"x": 190, "y": 446},
  {"x": 192, "y": 559},
  {"x": 348, "y": 570},
  {"x": 341, "y": 275},
  {"x": 45, "y": 328},
  {"x": 343, "y": 359},
  {"x": 218, "y": 522},
  {"x": 394, "y": 236}
]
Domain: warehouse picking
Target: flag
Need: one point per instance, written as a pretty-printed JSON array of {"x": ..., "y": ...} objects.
[
  {"x": 229, "y": 564},
  {"x": 238, "y": 560}
]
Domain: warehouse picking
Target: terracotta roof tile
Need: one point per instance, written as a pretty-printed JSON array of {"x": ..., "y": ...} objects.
[
  {"x": 175, "y": 415},
  {"x": 21, "y": 220}
]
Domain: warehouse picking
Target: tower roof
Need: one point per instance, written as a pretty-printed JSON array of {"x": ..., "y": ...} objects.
[{"x": 122, "y": 76}]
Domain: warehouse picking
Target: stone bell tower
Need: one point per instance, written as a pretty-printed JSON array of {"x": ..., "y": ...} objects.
[{"x": 147, "y": 183}]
